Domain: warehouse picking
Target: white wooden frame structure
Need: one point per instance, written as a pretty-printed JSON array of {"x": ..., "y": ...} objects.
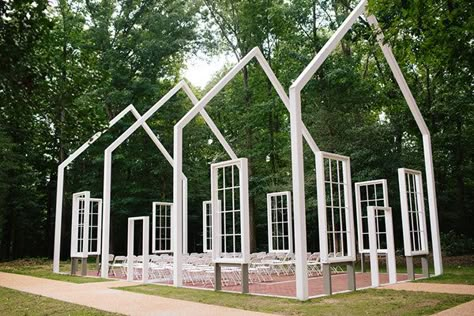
[
  {"x": 286, "y": 221},
  {"x": 182, "y": 181},
  {"x": 362, "y": 214},
  {"x": 66, "y": 163},
  {"x": 178, "y": 145},
  {"x": 207, "y": 226},
  {"x": 221, "y": 209},
  {"x": 145, "y": 247},
  {"x": 373, "y": 215},
  {"x": 297, "y": 145},
  {"x": 108, "y": 153},
  {"x": 163, "y": 212}
]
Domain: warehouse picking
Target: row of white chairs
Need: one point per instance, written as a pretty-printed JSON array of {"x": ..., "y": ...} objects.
[{"x": 199, "y": 269}]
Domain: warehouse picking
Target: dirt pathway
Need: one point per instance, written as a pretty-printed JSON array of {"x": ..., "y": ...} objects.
[{"x": 103, "y": 296}]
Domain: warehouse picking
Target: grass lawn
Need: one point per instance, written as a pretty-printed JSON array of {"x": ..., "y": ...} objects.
[
  {"x": 454, "y": 275},
  {"x": 43, "y": 268},
  {"x": 14, "y": 302},
  {"x": 367, "y": 302}
]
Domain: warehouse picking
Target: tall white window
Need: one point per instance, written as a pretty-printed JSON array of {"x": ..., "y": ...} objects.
[
  {"x": 370, "y": 193},
  {"x": 230, "y": 222},
  {"x": 415, "y": 236},
  {"x": 161, "y": 227},
  {"x": 335, "y": 214},
  {"x": 207, "y": 226},
  {"x": 86, "y": 225},
  {"x": 280, "y": 233},
  {"x": 95, "y": 225}
]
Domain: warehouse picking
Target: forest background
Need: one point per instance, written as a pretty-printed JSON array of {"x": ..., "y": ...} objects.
[{"x": 69, "y": 66}]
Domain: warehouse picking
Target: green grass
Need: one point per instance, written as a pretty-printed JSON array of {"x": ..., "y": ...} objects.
[
  {"x": 454, "y": 275},
  {"x": 14, "y": 303},
  {"x": 43, "y": 268},
  {"x": 367, "y": 302}
]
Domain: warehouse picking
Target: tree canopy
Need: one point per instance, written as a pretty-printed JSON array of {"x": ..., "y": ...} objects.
[{"x": 69, "y": 66}]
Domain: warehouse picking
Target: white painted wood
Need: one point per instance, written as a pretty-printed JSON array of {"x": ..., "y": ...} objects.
[
  {"x": 270, "y": 222},
  {"x": 374, "y": 260},
  {"x": 427, "y": 151}
]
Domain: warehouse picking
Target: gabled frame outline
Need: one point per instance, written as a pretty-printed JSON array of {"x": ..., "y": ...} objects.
[
  {"x": 178, "y": 145},
  {"x": 182, "y": 85},
  {"x": 61, "y": 168},
  {"x": 297, "y": 144}
]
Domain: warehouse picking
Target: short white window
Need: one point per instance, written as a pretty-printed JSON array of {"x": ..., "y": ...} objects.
[
  {"x": 280, "y": 233},
  {"x": 161, "y": 227}
]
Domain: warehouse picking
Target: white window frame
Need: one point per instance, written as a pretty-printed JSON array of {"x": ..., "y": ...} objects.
[
  {"x": 407, "y": 204},
  {"x": 361, "y": 212},
  {"x": 99, "y": 226},
  {"x": 271, "y": 221},
  {"x": 322, "y": 208},
  {"x": 155, "y": 226},
  {"x": 217, "y": 254},
  {"x": 374, "y": 250},
  {"x": 80, "y": 231},
  {"x": 206, "y": 226}
]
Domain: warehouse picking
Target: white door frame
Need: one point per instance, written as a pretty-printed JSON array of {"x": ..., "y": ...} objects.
[
  {"x": 374, "y": 249},
  {"x": 242, "y": 166},
  {"x": 145, "y": 246}
]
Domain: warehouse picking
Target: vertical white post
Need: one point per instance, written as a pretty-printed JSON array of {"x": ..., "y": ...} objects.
[
  {"x": 146, "y": 247},
  {"x": 298, "y": 195},
  {"x": 391, "y": 262},
  {"x": 106, "y": 214},
  {"x": 269, "y": 223},
  {"x": 130, "y": 240},
  {"x": 244, "y": 206},
  {"x": 177, "y": 209},
  {"x": 185, "y": 215},
  {"x": 374, "y": 260},
  {"x": 58, "y": 219},
  {"x": 432, "y": 204},
  {"x": 216, "y": 216}
]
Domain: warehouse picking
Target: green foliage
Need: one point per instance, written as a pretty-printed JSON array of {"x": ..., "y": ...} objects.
[
  {"x": 68, "y": 67},
  {"x": 456, "y": 244}
]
